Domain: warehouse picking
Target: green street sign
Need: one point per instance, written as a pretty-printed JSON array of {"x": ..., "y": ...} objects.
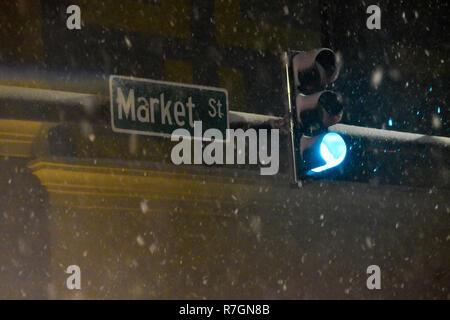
[{"x": 157, "y": 108}]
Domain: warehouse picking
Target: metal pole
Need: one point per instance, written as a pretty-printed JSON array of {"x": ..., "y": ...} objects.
[
  {"x": 353, "y": 131},
  {"x": 25, "y": 99}
]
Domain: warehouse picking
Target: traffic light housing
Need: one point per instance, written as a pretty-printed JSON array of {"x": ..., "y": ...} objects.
[{"x": 312, "y": 110}]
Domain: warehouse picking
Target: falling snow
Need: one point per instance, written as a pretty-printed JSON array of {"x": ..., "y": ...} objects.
[{"x": 75, "y": 192}]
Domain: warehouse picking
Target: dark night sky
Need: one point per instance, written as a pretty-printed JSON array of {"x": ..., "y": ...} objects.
[{"x": 411, "y": 50}]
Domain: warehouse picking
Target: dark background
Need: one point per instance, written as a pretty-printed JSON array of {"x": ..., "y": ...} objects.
[{"x": 411, "y": 51}]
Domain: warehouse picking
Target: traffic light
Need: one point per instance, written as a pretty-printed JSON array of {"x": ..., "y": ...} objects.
[{"x": 313, "y": 109}]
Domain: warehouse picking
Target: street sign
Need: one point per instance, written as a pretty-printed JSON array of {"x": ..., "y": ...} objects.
[{"x": 157, "y": 108}]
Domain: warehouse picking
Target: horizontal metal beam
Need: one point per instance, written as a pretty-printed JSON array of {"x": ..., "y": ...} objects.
[
  {"x": 48, "y": 105},
  {"x": 88, "y": 104},
  {"x": 353, "y": 131},
  {"x": 390, "y": 135},
  {"x": 252, "y": 118}
]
